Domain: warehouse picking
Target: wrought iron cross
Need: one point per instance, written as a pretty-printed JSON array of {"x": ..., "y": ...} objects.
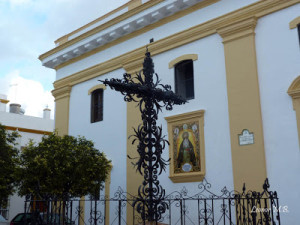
[{"x": 151, "y": 99}]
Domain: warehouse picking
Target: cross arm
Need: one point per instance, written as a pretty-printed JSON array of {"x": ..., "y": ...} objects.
[{"x": 165, "y": 95}]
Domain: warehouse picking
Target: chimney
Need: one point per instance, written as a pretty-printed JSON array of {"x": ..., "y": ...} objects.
[
  {"x": 46, "y": 114},
  {"x": 15, "y": 108},
  {"x": 3, "y": 102}
]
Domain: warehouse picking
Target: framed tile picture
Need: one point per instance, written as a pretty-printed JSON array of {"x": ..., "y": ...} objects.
[{"x": 186, "y": 150}]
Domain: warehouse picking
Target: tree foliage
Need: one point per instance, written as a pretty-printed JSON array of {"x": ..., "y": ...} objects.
[
  {"x": 62, "y": 167},
  {"x": 8, "y": 164}
]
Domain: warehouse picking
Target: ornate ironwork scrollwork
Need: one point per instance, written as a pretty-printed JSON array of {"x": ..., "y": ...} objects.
[{"x": 151, "y": 96}]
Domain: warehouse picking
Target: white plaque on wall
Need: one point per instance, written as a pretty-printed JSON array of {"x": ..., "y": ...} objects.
[{"x": 246, "y": 138}]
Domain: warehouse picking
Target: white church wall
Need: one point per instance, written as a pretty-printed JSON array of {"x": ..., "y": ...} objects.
[
  {"x": 183, "y": 23},
  {"x": 278, "y": 56},
  {"x": 108, "y": 135},
  {"x": 211, "y": 96}
]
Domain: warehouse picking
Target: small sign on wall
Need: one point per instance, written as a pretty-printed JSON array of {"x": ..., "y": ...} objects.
[{"x": 246, "y": 137}]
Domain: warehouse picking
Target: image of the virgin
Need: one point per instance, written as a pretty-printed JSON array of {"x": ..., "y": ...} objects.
[{"x": 186, "y": 151}]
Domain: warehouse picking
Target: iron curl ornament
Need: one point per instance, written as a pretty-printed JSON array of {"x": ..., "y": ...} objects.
[{"x": 151, "y": 97}]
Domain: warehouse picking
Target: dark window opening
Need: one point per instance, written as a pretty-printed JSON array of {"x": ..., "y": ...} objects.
[
  {"x": 97, "y": 106},
  {"x": 298, "y": 26},
  {"x": 184, "y": 79}
]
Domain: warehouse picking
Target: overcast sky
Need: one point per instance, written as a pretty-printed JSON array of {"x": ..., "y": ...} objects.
[{"x": 28, "y": 28}]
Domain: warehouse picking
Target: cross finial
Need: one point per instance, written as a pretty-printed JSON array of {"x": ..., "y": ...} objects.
[
  {"x": 148, "y": 68},
  {"x": 150, "y": 41}
]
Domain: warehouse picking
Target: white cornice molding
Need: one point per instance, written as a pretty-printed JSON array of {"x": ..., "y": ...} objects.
[{"x": 145, "y": 18}]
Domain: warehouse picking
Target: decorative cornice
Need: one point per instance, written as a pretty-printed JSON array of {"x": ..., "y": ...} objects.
[
  {"x": 99, "y": 28},
  {"x": 256, "y": 10},
  {"x": 133, "y": 66},
  {"x": 133, "y": 4},
  {"x": 62, "y": 92},
  {"x": 182, "y": 58},
  {"x": 128, "y": 25},
  {"x": 90, "y": 73},
  {"x": 238, "y": 29},
  {"x": 294, "y": 23},
  {"x": 129, "y": 5},
  {"x": 139, "y": 32}
]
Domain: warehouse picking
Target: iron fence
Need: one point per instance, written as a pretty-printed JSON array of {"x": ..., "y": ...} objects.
[{"x": 205, "y": 207}]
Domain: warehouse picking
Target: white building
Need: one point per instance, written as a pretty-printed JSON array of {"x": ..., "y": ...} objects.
[
  {"x": 243, "y": 58},
  {"x": 28, "y": 127}
]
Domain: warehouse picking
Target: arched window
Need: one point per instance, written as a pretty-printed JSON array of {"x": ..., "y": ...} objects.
[
  {"x": 184, "y": 79},
  {"x": 184, "y": 75},
  {"x": 96, "y": 93},
  {"x": 97, "y": 105}
]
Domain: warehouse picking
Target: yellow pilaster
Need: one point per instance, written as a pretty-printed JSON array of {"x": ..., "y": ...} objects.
[
  {"x": 107, "y": 196},
  {"x": 134, "y": 178},
  {"x": 62, "y": 102},
  {"x": 248, "y": 161}
]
